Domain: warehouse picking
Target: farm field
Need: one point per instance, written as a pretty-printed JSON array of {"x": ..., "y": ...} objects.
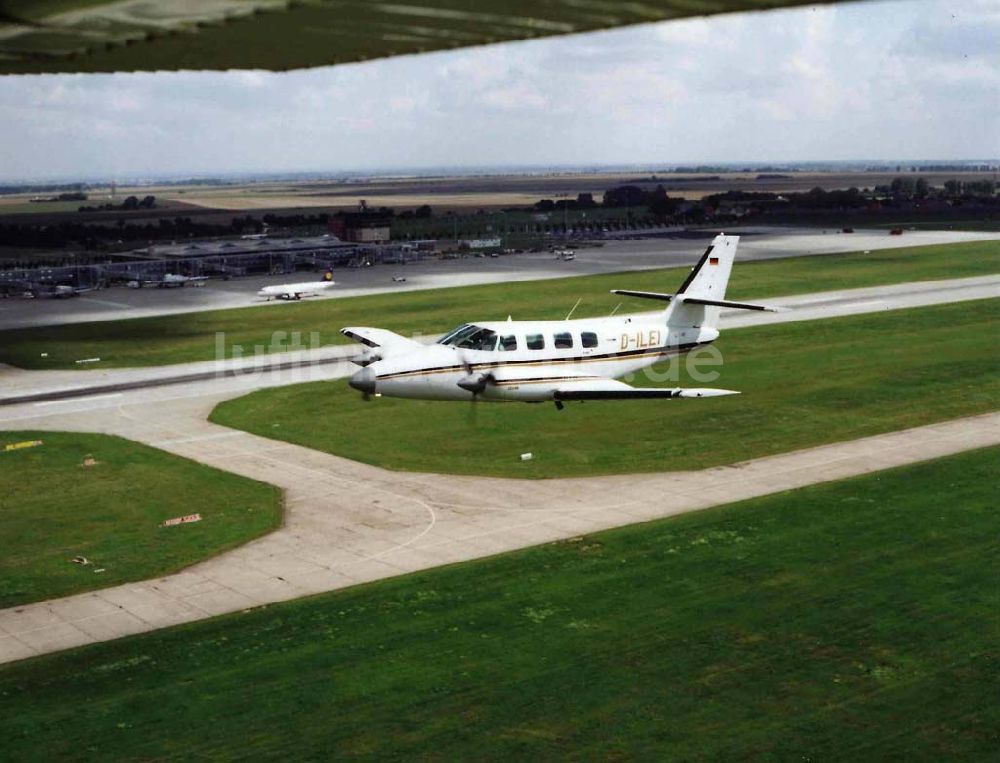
[
  {"x": 855, "y": 620},
  {"x": 465, "y": 194},
  {"x": 469, "y": 193}
]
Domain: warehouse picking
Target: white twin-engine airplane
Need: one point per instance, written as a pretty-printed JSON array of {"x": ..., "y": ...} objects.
[
  {"x": 295, "y": 290},
  {"x": 536, "y": 361}
]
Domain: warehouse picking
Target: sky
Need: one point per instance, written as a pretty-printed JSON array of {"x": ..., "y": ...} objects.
[{"x": 905, "y": 79}]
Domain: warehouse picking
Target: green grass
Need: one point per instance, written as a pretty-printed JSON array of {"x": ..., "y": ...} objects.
[
  {"x": 53, "y": 508},
  {"x": 856, "y": 620},
  {"x": 192, "y": 336},
  {"x": 976, "y": 224},
  {"x": 803, "y": 384}
]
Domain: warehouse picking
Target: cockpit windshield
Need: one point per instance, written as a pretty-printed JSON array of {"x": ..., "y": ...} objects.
[
  {"x": 469, "y": 337},
  {"x": 447, "y": 338}
]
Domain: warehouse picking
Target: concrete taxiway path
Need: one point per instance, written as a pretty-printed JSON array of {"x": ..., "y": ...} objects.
[{"x": 348, "y": 523}]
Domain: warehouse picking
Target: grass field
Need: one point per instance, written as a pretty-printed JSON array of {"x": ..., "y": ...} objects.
[
  {"x": 969, "y": 225},
  {"x": 803, "y": 384},
  {"x": 191, "y": 337},
  {"x": 53, "y": 507},
  {"x": 21, "y": 205},
  {"x": 856, "y": 620},
  {"x": 49, "y": 207}
]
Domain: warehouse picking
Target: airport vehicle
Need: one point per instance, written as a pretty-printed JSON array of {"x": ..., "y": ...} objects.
[
  {"x": 169, "y": 281},
  {"x": 60, "y": 291},
  {"x": 399, "y": 279},
  {"x": 295, "y": 291},
  {"x": 536, "y": 361}
]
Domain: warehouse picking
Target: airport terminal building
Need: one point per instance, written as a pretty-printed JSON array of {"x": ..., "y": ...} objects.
[{"x": 224, "y": 258}]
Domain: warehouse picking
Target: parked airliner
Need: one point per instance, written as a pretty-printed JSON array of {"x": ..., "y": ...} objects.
[
  {"x": 536, "y": 361},
  {"x": 295, "y": 291}
]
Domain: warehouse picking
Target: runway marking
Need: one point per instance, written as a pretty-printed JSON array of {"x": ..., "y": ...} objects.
[
  {"x": 879, "y": 303},
  {"x": 78, "y": 399}
]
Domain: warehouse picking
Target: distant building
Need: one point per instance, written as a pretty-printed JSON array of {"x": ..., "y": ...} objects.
[
  {"x": 250, "y": 245},
  {"x": 361, "y": 227},
  {"x": 479, "y": 243}
]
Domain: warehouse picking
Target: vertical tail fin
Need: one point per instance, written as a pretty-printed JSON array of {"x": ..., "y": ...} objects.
[
  {"x": 697, "y": 302},
  {"x": 707, "y": 281}
]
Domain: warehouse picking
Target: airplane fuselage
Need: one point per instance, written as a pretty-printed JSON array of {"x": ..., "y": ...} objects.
[
  {"x": 540, "y": 356},
  {"x": 295, "y": 291}
]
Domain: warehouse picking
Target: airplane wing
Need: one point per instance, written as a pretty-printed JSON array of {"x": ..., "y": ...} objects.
[
  {"x": 575, "y": 386},
  {"x": 612, "y": 389},
  {"x": 110, "y": 35}
]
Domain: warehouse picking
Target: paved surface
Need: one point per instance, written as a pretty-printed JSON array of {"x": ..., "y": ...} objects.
[
  {"x": 677, "y": 248},
  {"x": 349, "y": 523},
  {"x": 243, "y": 374}
]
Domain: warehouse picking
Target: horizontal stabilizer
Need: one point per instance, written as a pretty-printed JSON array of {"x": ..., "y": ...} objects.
[
  {"x": 644, "y": 294},
  {"x": 734, "y": 305}
]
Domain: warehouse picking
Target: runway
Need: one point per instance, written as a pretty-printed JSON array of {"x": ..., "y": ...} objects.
[
  {"x": 670, "y": 248},
  {"x": 348, "y": 523},
  {"x": 240, "y": 375}
]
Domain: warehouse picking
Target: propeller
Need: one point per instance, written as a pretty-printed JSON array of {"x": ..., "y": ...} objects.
[{"x": 474, "y": 383}]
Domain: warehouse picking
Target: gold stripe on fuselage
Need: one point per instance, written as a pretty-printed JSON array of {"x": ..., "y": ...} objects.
[{"x": 661, "y": 351}]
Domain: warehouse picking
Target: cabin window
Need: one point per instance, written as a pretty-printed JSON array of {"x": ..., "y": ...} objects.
[
  {"x": 508, "y": 343},
  {"x": 588, "y": 339},
  {"x": 563, "y": 341},
  {"x": 535, "y": 341},
  {"x": 484, "y": 339}
]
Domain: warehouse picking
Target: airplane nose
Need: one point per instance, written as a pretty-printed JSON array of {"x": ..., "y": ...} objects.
[{"x": 363, "y": 381}]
